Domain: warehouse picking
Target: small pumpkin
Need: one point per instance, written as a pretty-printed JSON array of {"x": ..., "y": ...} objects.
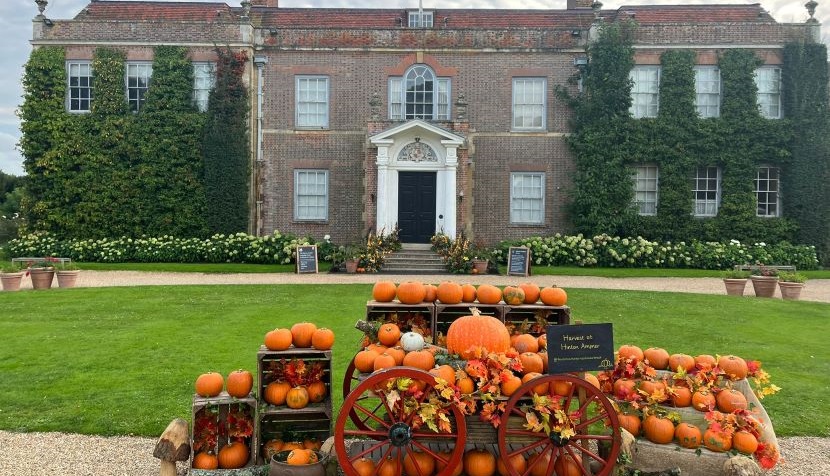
[
  {"x": 553, "y": 296},
  {"x": 445, "y": 372},
  {"x": 733, "y": 366},
  {"x": 420, "y": 359},
  {"x": 322, "y": 339},
  {"x": 526, "y": 343},
  {"x": 705, "y": 362},
  {"x": 517, "y": 461},
  {"x": 531, "y": 362},
  {"x": 278, "y": 339},
  {"x": 209, "y": 384},
  {"x": 312, "y": 443},
  {"x": 297, "y": 398},
  {"x": 317, "y": 392},
  {"x": 450, "y": 292},
  {"x": 744, "y": 442},
  {"x": 469, "y": 335},
  {"x": 488, "y": 294},
  {"x": 272, "y": 447},
  {"x": 510, "y": 385},
  {"x": 384, "y": 291},
  {"x": 630, "y": 351},
  {"x": 412, "y": 341},
  {"x": 389, "y": 334},
  {"x": 469, "y": 293},
  {"x": 658, "y": 429},
  {"x": 204, "y": 460},
  {"x": 411, "y": 292},
  {"x": 540, "y": 389},
  {"x": 568, "y": 465},
  {"x": 657, "y": 357},
  {"x": 364, "y": 360},
  {"x": 703, "y": 400},
  {"x": 364, "y": 467},
  {"x": 561, "y": 387},
  {"x": 301, "y": 334},
  {"x": 239, "y": 383},
  {"x": 539, "y": 464},
  {"x": 430, "y": 293},
  {"x": 531, "y": 291},
  {"x": 688, "y": 436},
  {"x": 630, "y": 422},
  {"x": 299, "y": 457},
  {"x": 513, "y": 296},
  {"x": 276, "y": 392},
  {"x": 417, "y": 463},
  {"x": 651, "y": 387},
  {"x": 624, "y": 387},
  {"x": 397, "y": 353},
  {"x": 680, "y": 396},
  {"x": 684, "y": 361},
  {"x": 383, "y": 361},
  {"x": 443, "y": 458},
  {"x": 479, "y": 463},
  {"x": 234, "y": 455},
  {"x": 390, "y": 467},
  {"x": 466, "y": 385},
  {"x": 293, "y": 445},
  {"x": 729, "y": 400},
  {"x": 717, "y": 441}
]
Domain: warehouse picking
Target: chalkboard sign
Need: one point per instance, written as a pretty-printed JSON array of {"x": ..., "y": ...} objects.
[
  {"x": 518, "y": 261},
  {"x": 580, "y": 347},
  {"x": 307, "y": 259}
]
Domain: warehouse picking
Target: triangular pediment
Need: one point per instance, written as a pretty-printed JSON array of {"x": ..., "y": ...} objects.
[{"x": 419, "y": 127}]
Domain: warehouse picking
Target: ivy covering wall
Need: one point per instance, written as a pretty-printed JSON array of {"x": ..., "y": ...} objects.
[
  {"x": 608, "y": 144},
  {"x": 111, "y": 172}
]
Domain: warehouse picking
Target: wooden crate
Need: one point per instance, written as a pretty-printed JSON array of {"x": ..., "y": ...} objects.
[
  {"x": 216, "y": 410},
  {"x": 538, "y": 316},
  {"x": 445, "y": 314},
  {"x": 266, "y": 359},
  {"x": 404, "y": 315},
  {"x": 281, "y": 424}
]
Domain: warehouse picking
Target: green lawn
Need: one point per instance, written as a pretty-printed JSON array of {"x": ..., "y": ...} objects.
[{"x": 123, "y": 360}]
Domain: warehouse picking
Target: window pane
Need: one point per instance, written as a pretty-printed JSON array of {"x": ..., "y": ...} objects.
[
  {"x": 645, "y": 189},
  {"x": 204, "y": 77},
  {"x": 707, "y": 90},
  {"x": 766, "y": 192},
  {"x": 80, "y": 86},
  {"x": 527, "y": 197},
  {"x": 529, "y": 103},
  {"x": 645, "y": 91},
  {"x": 768, "y": 80},
  {"x": 420, "y": 84},
  {"x": 311, "y": 194},
  {"x": 706, "y": 190},
  {"x": 138, "y": 81},
  {"x": 312, "y": 101}
]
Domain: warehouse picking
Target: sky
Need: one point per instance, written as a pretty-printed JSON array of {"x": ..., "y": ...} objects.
[{"x": 16, "y": 20}]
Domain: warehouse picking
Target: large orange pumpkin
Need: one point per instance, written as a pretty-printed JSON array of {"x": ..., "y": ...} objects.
[
  {"x": 553, "y": 296},
  {"x": 234, "y": 455},
  {"x": 733, "y": 366},
  {"x": 209, "y": 384},
  {"x": 322, "y": 339},
  {"x": 488, "y": 294},
  {"x": 629, "y": 351},
  {"x": 278, "y": 339},
  {"x": 729, "y": 400},
  {"x": 479, "y": 463},
  {"x": 204, "y": 460},
  {"x": 468, "y": 336},
  {"x": 469, "y": 293},
  {"x": 684, "y": 361},
  {"x": 301, "y": 334},
  {"x": 276, "y": 392},
  {"x": 744, "y": 442},
  {"x": 297, "y": 398},
  {"x": 416, "y": 463},
  {"x": 657, "y": 357},
  {"x": 389, "y": 334},
  {"x": 450, "y": 292},
  {"x": 384, "y": 291},
  {"x": 517, "y": 461},
  {"x": 717, "y": 441},
  {"x": 420, "y": 359},
  {"x": 658, "y": 429},
  {"x": 411, "y": 292},
  {"x": 364, "y": 360},
  {"x": 531, "y": 293},
  {"x": 513, "y": 296},
  {"x": 239, "y": 384},
  {"x": 688, "y": 436}
]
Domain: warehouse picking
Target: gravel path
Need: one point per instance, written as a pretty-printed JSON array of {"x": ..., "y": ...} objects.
[{"x": 26, "y": 454}]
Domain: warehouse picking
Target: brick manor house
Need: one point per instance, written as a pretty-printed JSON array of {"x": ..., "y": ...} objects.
[{"x": 433, "y": 119}]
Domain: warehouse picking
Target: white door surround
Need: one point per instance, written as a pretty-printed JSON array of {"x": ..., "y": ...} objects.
[{"x": 417, "y": 145}]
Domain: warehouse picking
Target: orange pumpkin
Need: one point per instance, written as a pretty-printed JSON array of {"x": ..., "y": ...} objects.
[
  {"x": 631, "y": 423},
  {"x": 680, "y": 396},
  {"x": 729, "y": 400},
  {"x": 389, "y": 334},
  {"x": 390, "y": 467},
  {"x": 430, "y": 293},
  {"x": 443, "y": 459},
  {"x": 525, "y": 343},
  {"x": 684, "y": 361},
  {"x": 629, "y": 351},
  {"x": 383, "y": 361},
  {"x": 272, "y": 447},
  {"x": 234, "y": 455},
  {"x": 539, "y": 464},
  {"x": 301, "y": 334},
  {"x": 744, "y": 442},
  {"x": 299, "y": 457},
  {"x": 531, "y": 293},
  {"x": 204, "y": 460},
  {"x": 209, "y": 384},
  {"x": 278, "y": 339},
  {"x": 733, "y": 366},
  {"x": 688, "y": 436},
  {"x": 466, "y": 385},
  {"x": 445, "y": 372},
  {"x": 411, "y": 292},
  {"x": 384, "y": 291},
  {"x": 542, "y": 341},
  {"x": 469, "y": 293},
  {"x": 416, "y": 463},
  {"x": 705, "y": 362},
  {"x": 479, "y": 463},
  {"x": 312, "y": 443},
  {"x": 657, "y": 357},
  {"x": 531, "y": 362},
  {"x": 717, "y": 441},
  {"x": 623, "y": 387},
  {"x": 561, "y": 387},
  {"x": 397, "y": 353},
  {"x": 540, "y": 389},
  {"x": 317, "y": 392},
  {"x": 450, "y": 292},
  {"x": 364, "y": 467},
  {"x": 658, "y": 429},
  {"x": 517, "y": 461},
  {"x": 567, "y": 465},
  {"x": 488, "y": 294},
  {"x": 510, "y": 385},
  {"x": 297, "y": 398},
  {"x": 364, "y": 360},
  {"x": 544, "y": 355},
  {"x": 420, "y": 359},
  {"x": 293, "y": 445},
  {"x": 703, "y": 400},
  {"x": 276, "y": 392},
  {"x": 322, "y": 339},
  {"x": 513, "y": 296},
  {"x": 469, "y": 335},
  {"x": 650, "y": 387},
  {"x": 239, "y": 384},
  {"x": 553, "y": 296}
]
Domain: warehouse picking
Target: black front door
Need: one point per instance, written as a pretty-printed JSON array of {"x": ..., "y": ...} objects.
[{"x": 416, "y": 206}]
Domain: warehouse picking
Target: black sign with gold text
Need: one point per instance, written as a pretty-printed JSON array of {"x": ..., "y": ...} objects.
[
  {"x": 307, "y": 259},
  {"x": 580, "y": 348}
]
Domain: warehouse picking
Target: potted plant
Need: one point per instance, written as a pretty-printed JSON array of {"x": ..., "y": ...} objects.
[
  {"x": 42, "y": 273},
  {"x": 11, "y": 276},
  {"x": 764, "y": 280},
  {"x": 791, "y": 285},
  {"x": 735, "y": 281},
  {"x": 480, "y": 258},
  {"x": 349, "y": 256},
  {"x": 67, "y": 274}
]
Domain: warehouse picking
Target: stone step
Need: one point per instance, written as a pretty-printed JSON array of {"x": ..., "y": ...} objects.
[{"x": 420, "y": 260}]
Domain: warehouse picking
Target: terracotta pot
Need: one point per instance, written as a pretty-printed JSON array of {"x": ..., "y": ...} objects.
[
  {"x": 280, "y": 468},
  {"x": 67, "y": 278},
  {"x": 735, "y": 287},
  {"x": 11, "y": 281},
  {"x": 351, "y": 265},
  {"x": 42, "y": 277},
  {"x": 790, "y": 290},
  {"x": 764, "y": 285},
  {"x": 480, "y": 266}
]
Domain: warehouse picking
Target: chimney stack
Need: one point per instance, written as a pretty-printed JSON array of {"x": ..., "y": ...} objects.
[{"x": 579, "y": 4}]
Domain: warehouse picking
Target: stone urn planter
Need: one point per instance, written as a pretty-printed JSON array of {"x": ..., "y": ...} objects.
[
  {"x": 11, "y": 281},
  {"x": 67, "y": 277},
  {"x": 42, "y": 277},
  {"x": 735, "y": 286},
  {"x": 764, "y": 285},
  {"x": 351, "y": 265},
  {"x": 790, "y": 290},
  {"x": 480, "y": 266}
]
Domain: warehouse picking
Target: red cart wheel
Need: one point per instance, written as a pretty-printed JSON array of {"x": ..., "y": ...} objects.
[
  {"x": 350, "y": 381},
  {"x": 391, "y": 428},
  {"x": 584, "y": 434}
]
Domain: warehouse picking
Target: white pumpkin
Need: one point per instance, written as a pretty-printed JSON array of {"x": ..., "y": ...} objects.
[{"x": 412, "y": 341}]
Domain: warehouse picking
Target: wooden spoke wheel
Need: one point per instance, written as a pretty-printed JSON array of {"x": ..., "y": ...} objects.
[
  {"x": 389, "y": 429},
  {"x": 350, "y": 381},
  {"x": 586, "y": 443}
]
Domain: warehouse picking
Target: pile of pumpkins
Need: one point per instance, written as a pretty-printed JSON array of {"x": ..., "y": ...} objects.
[
  {"x": 301, "y": 335},
  {"x": 476, "y": 462},
  {"x": 450, "y": 292},
  {"x": 658, "y": 428},
  {"x": 238, "y": 385},
  {"x": 292, "y": 452}
]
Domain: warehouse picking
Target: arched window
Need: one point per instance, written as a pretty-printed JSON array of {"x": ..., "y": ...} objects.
[{"x": 418, "y": 94}]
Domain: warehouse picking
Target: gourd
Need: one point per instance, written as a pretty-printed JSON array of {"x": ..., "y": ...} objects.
[
  {"x": 412, "y": 341},
  {"x": 234, "y": 455},
  {"x": 209, "y": 384},
  {"x": 278, "y": 339},
  {"x": 513, "y": 296},
  {"x": 301, "y": 334},
  {"x": 239, "y": 384},
  {"x": 468, "y": 336},
  {"x": 384, "y": 291}
]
